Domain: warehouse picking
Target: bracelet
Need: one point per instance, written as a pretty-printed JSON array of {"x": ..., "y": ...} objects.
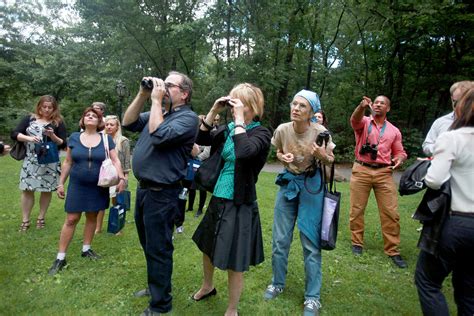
[
  {"x": 209, "y": 127},
  {"x": 239, "y": 125},
  {"x": 122, "y": 179},
  {"x": 60, "y": 185}
]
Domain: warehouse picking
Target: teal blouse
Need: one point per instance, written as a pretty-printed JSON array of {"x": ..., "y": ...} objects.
[{"x": 225, "y": 183}]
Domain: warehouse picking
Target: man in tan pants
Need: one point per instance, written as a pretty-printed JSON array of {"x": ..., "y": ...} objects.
[{"x": 378, "y": 152}]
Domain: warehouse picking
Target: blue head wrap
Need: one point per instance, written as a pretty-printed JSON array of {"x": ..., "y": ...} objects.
[{"x": 313, "y": 100}]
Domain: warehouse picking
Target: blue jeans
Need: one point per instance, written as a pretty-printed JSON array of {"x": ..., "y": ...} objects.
[
  {"x": 286, "y": 212},
  {"x": 154, "y": 217},
  {"x": 455, "y": 256}
]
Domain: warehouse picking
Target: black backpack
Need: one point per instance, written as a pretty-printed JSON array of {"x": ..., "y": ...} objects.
[{"x": 412, "y": 180}]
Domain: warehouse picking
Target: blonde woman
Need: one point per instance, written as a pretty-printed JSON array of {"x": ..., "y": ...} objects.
[
  {"x": 122, "y": 147},
  {"x": 45, "y": 122},
  {"x": 230, "y": 235}
]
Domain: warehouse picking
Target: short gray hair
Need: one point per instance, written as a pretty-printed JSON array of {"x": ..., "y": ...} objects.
[{"x": 186, "y": 84}]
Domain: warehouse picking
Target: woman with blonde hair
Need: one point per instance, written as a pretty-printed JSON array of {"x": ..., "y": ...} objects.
[
  {"x": 46, "y": 123},
  {"x": 230, "y": 235},
  {"x": 122, "y": 147}
]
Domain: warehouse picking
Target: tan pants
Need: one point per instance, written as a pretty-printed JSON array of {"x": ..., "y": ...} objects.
[{"x": 364, "y": 179}]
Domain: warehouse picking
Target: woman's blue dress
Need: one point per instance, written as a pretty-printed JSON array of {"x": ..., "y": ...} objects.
[{"x": 83, "y": 194}]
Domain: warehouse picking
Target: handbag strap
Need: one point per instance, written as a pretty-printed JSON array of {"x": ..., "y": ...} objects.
[
  {"x": 331, "y": 183},
  {"x": 106, "y": 145},
  {"x": 331, "y": 179}
]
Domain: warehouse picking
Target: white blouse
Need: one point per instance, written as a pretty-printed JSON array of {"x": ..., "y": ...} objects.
[{"x": 453, "y": 158}]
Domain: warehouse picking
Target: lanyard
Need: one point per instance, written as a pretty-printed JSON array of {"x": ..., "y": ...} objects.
[{"x": 381, "y": 132}]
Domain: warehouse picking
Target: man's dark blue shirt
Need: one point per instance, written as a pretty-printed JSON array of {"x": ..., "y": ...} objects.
[{"x": 162, "y": 156}]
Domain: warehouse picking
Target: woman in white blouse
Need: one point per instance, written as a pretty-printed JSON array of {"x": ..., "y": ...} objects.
[{"x": 453, "y": 160}]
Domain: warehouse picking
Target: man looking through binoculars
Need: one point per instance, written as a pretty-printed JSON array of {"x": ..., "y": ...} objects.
[{"x": 159, "y": 164}]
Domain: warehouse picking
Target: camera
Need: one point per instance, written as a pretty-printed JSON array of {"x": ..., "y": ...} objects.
[
  {"x": 322, "y": 137},
  {"x": 371, "y": 149},
  {"x": 41, "y": 149},
  {"x": 147, "y": 84}
]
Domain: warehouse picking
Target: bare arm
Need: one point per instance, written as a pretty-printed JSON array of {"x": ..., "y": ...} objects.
[
  {"x": 25, "y": 138},
  {"x": 136, "y": 107},
  {"x": 326, "y": 155},
  {"x": 118, "y": 166},
  {"x": 359, "y": 111},
  {"x": 65, "y": 169}
]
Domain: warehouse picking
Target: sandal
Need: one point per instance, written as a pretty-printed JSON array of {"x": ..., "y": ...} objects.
[
  {"x": 40, "y": 223},
  {"x": 24, "y": 226}
]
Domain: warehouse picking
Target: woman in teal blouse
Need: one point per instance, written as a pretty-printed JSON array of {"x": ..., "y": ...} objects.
[{"x": 230, "y": 234}]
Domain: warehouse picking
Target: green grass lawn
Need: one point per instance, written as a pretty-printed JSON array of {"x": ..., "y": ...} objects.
[{"x": 366, "y": 285}]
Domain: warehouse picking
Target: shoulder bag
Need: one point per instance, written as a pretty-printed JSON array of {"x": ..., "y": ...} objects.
[
  {"x": 18, "y": 151},
  {"x": 206, "y": 176},
  {"x": 108, "y": 175},
  {"x": 412, "y": 179},
  {"x": 330, "y": 221},
  {"x": 46, "y": 152}
]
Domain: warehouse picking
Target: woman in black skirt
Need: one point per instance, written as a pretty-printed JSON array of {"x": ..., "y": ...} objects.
[{"x": 230, "y": 235}]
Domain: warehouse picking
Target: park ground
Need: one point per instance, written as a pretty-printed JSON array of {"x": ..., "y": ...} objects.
[{"x": 365, "y": 285}]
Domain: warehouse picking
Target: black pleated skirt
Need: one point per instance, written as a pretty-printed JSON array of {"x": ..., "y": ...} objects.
[{"x": 230, "y": 235}]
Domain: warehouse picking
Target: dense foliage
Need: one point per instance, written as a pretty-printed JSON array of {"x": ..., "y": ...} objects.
[{"x": 411, "y": 51}]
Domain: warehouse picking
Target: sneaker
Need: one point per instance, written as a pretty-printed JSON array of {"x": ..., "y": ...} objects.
[
  {"x": 180, "y": 230},
  {"x": 198, "y": 213},
  {"x": 57, "y": 266},
  {"x": 399, "y": 262},
  {"x": 311, "y": 307},
  {"x": 90, "y": 254},
  {"x": 271, "y": 292},
  {"x": 357, "y": 250}
]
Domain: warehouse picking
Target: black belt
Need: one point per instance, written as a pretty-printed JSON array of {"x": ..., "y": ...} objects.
[
  {"x": 150, "y": 185},
  {"x": 372, "y": 165},
  {"x": 464, "y": 214}
]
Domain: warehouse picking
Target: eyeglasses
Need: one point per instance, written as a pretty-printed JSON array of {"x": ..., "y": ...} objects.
[{"x": 169, "y": 85}]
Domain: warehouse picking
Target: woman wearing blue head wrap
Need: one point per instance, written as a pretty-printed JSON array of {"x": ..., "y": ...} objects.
[{"x": 299, "y": 198}]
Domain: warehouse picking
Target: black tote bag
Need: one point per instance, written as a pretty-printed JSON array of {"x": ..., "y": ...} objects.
[
  {"x": 206, "y": 176},
  {"x": 330, "y": 220},
  {"x": 18, "y": 151}
]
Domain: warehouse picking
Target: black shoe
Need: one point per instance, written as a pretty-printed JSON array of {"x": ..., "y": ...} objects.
[
  {"x": 198, "y": 213},
  {"x": 357, "y": 250},
  {"x": 211, "y": 293},
  {"x": 57, "y": 266},
  {"x": 90, "y": 254},
  {"x": 189, "y": 210},
  {"x": 397, "y": 259},
  {"x": 149, "y": 312},
  {"x": 142, "y": 293}
]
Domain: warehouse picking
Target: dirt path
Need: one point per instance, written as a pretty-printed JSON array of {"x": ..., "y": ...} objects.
[{"x": 343, "y": 170}]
